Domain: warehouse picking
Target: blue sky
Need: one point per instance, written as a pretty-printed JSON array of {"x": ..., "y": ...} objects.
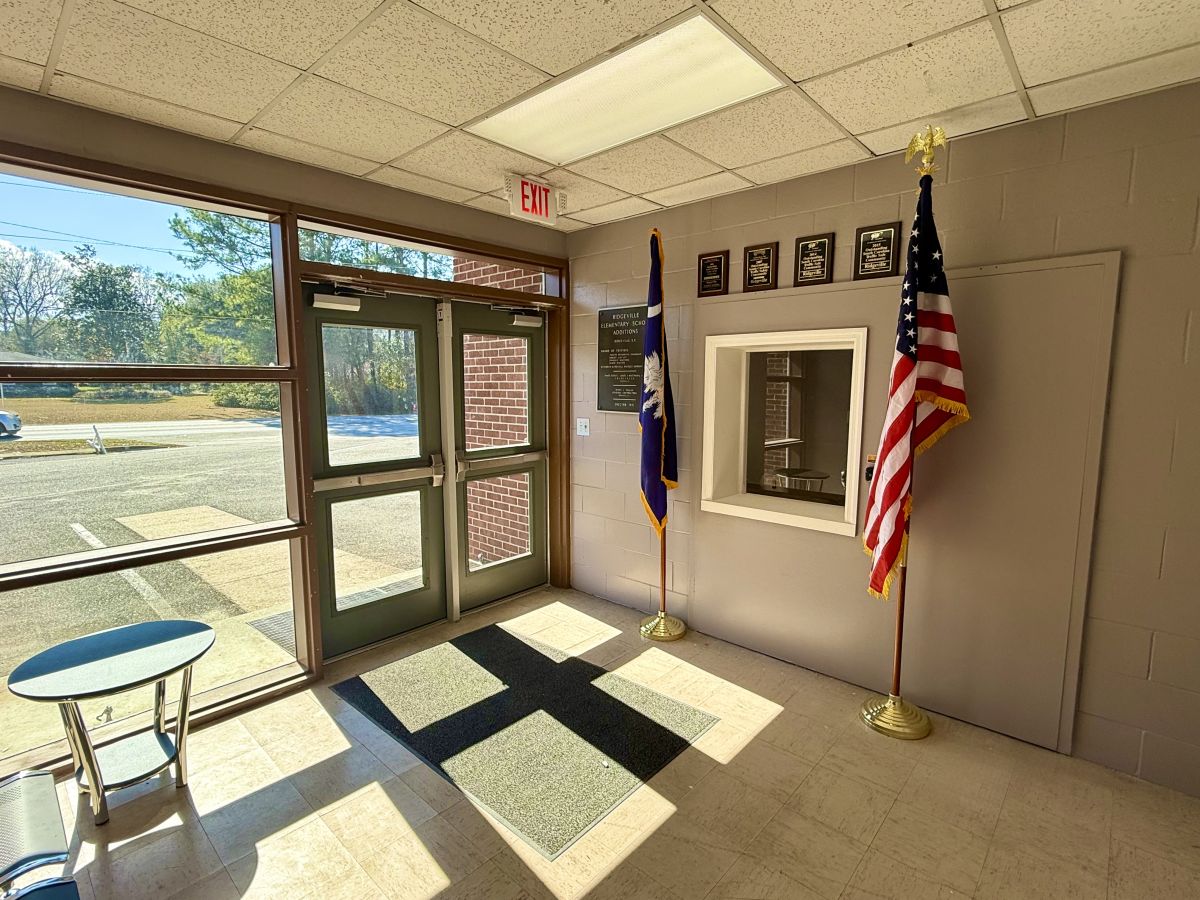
[{"x": 37, "y": 213}]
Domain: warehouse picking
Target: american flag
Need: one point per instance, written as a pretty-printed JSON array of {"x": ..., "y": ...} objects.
[{"x": 925, "y": 395}]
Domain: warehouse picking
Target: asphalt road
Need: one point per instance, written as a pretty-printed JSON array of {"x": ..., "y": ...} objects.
[{"x": 50, "y": 505}]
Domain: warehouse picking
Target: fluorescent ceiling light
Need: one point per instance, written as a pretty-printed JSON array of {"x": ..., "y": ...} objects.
[{"x": 679, "y": 74}]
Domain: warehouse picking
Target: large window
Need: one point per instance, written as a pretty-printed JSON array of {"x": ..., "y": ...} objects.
[{"x": 91, "y": 276}]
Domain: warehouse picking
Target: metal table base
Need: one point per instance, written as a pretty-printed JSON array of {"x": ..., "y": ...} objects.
[{"x": 132, "y": 759}]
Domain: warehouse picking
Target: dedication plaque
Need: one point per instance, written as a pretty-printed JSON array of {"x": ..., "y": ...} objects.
[
  {"x": 814, "y": 259},
  {"x": 620, "y": 365},
  {"x": 712, "y": 273},
  {"x": 760, "y": 267},
  {"x": 877, "y": 251}
]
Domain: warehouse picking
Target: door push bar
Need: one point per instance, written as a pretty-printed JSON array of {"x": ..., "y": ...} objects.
[
  {"x": 464, "y": 467},
  {"x": 435, "y": 472}
]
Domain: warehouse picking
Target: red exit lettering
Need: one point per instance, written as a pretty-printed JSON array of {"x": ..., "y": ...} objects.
[{"x": 535, "y": 199}]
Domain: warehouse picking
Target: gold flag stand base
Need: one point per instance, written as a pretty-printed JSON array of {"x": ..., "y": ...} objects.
[
  {"x": 661, "y": 627},
  {"x": 896, "y": 717}
]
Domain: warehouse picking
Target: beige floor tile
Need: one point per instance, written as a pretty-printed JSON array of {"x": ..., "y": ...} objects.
[
  {"x": 768, "y": 768},
  {"x": 431, "y": 787},
  {"x": 750, "y": 879},
  {"x": 214, "y": 747},
  {"x": 488, "y": 882},
  {"x": 305, "y": 861},
  {"x": 251, "y": 803},
  {"x": 1049, "y": 836},
  {"x": 160, "y": 867},
  {"x": 963, "y": 795},
  {"x": 628, "y": 882},
  {"x": 217, "y": 886},
  {"x": 1159, "y": 820},
  {"x": 422, "y": 864},
  {"x": 942, "y": 852},
  {"x": 683, "y": 773},
  {"x": 292, "y": 753},
  {"x": 297, "y": 717},
  {"x": 740, "y": 707},
  {"x": 849, "y": 807},
  {"x": 879, "y": 877},
  {"x": 333, "y": 781},
  {"x": 1072, "y": 789},
  {"x": 802, "y": 735},
  {"x": 378, "y": 813},
  {"x": 684, "y": 857},
  {"x": 727, "y": 809},
  {"x": 863, "y": 755},
  {"x": 386, "y": 748},
  {"x": 807, "y": 851},
  {"x": 1020, "y": 873},
  {"x": 476, "y": 827},
  {"x": 1136, "y": 873},
  {"x": 138, "y": 816}
]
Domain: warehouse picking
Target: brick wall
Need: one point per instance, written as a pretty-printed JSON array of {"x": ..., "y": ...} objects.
[
  {"x": 1118, "y": 176},
  {"x": 775, "y": 413},
  {"x": 496, "y": 413},
  {"x": 472, "y": 271}
]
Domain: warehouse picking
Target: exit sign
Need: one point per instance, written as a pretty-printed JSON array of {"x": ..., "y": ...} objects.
[{"x": 529, "y": 198}]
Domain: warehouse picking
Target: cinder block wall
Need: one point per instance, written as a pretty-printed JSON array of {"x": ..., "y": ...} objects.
[{"x": 1121, "y": 176}]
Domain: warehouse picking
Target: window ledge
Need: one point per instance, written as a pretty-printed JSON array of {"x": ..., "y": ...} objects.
[{"x": 782, "y": 511}]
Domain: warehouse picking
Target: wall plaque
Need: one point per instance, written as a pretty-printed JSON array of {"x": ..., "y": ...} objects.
[
  {"x": 877, "y": 251},
  {"x": 760, "y": 267},
  {"x": 712, "y": 273},
  {"x": 814, "y": 259},
  {"x": 620, "y": 364}
]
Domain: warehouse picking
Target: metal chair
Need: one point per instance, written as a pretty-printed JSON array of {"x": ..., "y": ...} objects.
[{"x": 31, "y": 835}]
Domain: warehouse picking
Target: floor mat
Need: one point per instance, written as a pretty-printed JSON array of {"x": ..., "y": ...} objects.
[
  {"x": 548, "y": 743},
  {"x": 280, "y": 628}
]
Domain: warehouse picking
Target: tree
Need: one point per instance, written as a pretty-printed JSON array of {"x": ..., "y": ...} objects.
[
  {"x": 33, "y": 289},
  {"x": 112, "y": 311}
]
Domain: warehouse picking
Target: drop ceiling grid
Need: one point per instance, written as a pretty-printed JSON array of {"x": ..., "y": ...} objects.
[{"x": 970, "y": 83}]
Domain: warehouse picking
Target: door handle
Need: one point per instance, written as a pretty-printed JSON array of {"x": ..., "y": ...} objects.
[{"x": 439, "y": 469}]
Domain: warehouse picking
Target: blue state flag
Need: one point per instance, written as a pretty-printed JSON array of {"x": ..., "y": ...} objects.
[{"x": 660, "y": 466}]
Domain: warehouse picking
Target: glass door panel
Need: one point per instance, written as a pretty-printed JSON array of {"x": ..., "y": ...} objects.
[
  {"x": 378, "y": 551},
  {"x": 501, "y": 461}
]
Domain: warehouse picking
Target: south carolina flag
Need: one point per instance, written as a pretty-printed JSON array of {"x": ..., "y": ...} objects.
[{"x": 660, "y": 467}]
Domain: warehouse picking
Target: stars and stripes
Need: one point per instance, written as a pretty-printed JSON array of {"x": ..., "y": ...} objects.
[
  {"x": 656, "y": 418},
  {"x": 925, "y": 395}
]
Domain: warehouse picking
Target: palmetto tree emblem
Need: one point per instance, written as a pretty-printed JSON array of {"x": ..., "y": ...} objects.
[{"x": 652, "y": 378}]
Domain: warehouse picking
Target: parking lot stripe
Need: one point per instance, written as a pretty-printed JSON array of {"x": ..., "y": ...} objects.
[{"x": 147, "y": 592}]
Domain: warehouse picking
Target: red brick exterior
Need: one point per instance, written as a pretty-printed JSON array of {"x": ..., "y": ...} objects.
[
  {"x": 472, "y": 271},
  {"x": 496, "y": 412},
  {"x": 776, "y": 415}
]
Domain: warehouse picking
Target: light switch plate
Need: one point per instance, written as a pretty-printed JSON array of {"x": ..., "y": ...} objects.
[{"x": 583, "y": 427}]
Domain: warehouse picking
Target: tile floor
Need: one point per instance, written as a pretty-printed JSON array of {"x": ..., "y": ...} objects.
[{"x": 788, "y": 797}]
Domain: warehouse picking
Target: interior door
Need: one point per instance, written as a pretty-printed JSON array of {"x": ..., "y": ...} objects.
[
  {"x": 499, "y": 365},
  {"x": 376, "y": 448}
]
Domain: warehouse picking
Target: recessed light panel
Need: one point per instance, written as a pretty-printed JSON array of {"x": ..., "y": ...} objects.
[{"x": 677, "y": 75}]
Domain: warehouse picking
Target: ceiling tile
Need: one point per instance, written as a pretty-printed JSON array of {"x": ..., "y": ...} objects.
[
  {"x": 976, "y": 117},
  {"x": 794, "y": 165},
  {"x": 1130, "y": 78},
  {"x": 364, "y": 126},
  {"x": 610, "y": 212},
  {"x": 20, "y": 73},
  {"x": 709, "y": 186},
  {"x": 419, "y": 184},
  {"x": 28, "y": 28},
  {"x": 645, "y": 165},
  {"x": 278, "y": 145},
  {"x": 446, "y": 74},
  {"x": 758, "y": 129},
  {"x": 1059, "y": 38},
  {"x": 124, "y": 47},
  {"x": 805, "y": 40},
  {"x": 134, "y": 106},
  {"x": 582, "y": 193},
  {"x": 951, "y": 70},
  {"x": 296, "y": 32},
  {"x": 469, "y": 161},
  {"x": 551, "y": 36},
  {"x": 566, "y": 224},
  {"x": 491, "y": 203}
]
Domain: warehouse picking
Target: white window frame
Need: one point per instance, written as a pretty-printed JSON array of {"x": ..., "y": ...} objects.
[{"x": 723, "y": 470}]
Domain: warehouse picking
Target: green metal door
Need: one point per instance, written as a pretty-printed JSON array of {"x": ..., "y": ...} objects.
[
  {"x": 376, "y": 444},
  {"x": 499, "y": 362}
]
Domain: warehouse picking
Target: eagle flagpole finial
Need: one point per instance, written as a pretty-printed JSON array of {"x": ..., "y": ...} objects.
[{"x": 924, "y": 143}]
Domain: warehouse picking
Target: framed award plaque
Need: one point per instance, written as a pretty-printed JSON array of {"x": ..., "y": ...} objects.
[
  {"x": 760, "y": 267},
  {"x": 712, "y": 273},
  {"x": 877, "y": 251},
  {"x": 814, "y": 259}
]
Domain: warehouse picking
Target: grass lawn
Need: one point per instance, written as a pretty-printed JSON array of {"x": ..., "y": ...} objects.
[
  {"x": 67, "y": 411},
  {"x": 40, "y": 448}
]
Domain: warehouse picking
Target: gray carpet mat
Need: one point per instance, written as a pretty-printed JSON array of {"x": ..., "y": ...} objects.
[
  {"x": 548, "y": 743},
  {"x": 280, "y": 628}
]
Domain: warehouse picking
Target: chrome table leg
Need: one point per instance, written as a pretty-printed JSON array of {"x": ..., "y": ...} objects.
[
  {"x": 160, "y": 706},
  {"x": 181, "y": 728},
  {"x": 77, "y": 735}
]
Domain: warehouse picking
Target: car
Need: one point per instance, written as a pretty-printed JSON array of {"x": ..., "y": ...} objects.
[{"x": 10, "y": 423}]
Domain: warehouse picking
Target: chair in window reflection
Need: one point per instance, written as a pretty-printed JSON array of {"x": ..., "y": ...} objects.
[{"x": 800, "y": 478}]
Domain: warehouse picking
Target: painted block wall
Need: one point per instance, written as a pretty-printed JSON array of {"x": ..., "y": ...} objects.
[{"x": 1122, "y": 176}]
